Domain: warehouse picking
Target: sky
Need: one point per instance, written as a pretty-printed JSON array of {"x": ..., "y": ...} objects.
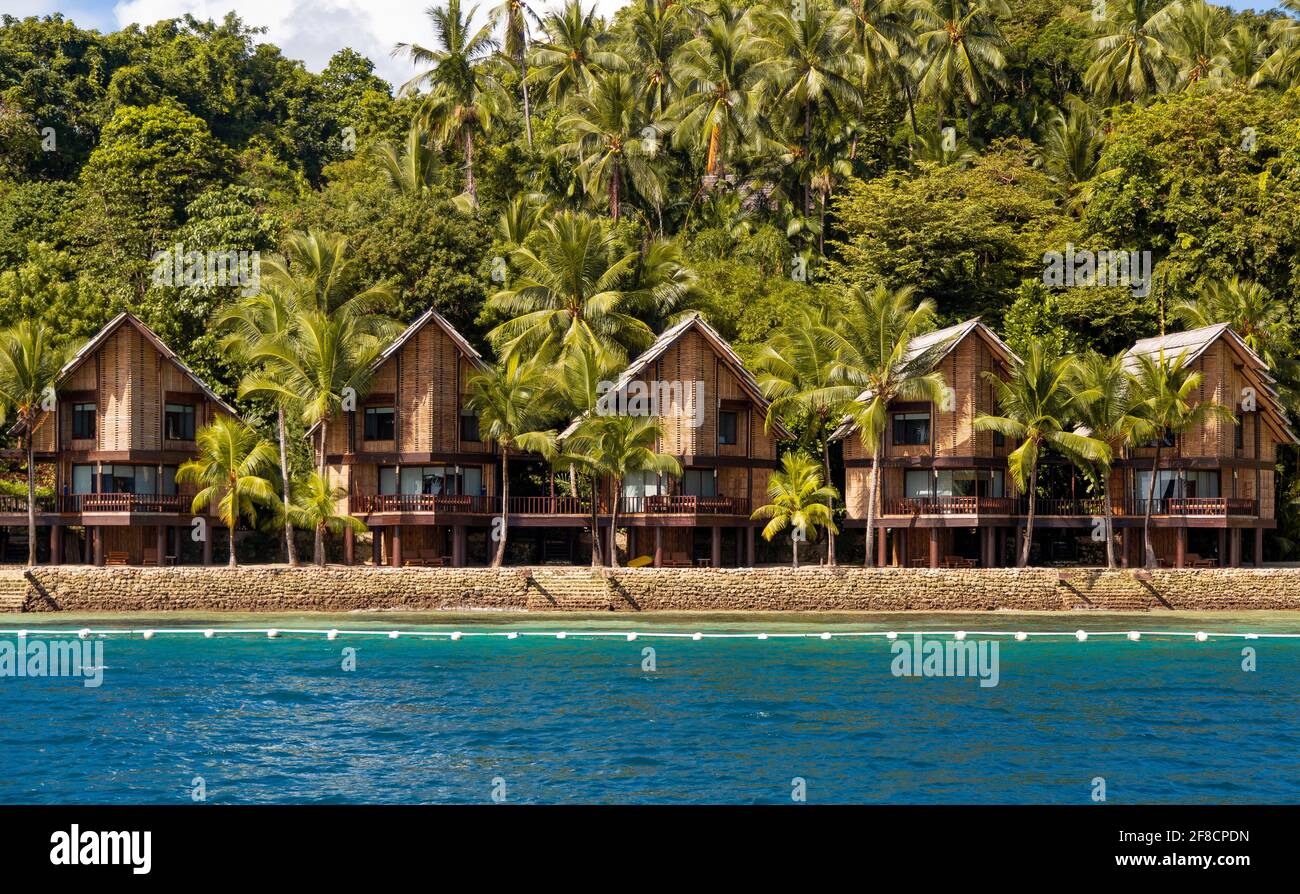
[{"x": 311, "y": 30}]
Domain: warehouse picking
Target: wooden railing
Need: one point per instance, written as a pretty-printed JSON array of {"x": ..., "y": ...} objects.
[
  {"x": 950, "y": 506},
  {"x": 367, "y": 503},
  {"x": 125, "y": 503},
  {"x": 13, "y": 504},
  {"x": 1194, "y": 506},
  {"x": 556, "y": 505},
  {"x": 683, "y": 504}
]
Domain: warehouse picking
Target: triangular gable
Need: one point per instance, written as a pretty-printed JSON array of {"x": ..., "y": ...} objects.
[
  {"x": 947, "y": 339},
  {"x": 667, "y": 339}
]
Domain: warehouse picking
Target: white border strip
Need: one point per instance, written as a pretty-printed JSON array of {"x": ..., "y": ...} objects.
[{"x": 630, "y": 635}]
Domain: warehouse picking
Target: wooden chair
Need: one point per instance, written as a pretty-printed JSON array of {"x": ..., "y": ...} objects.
[
  {"x": 150, "y": 556},
  {"x": 678, "y": 560},
  {"x": 117, "y": 558}
]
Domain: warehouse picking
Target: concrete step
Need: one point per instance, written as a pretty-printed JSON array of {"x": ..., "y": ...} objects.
[{"x": 575, "y": 590}]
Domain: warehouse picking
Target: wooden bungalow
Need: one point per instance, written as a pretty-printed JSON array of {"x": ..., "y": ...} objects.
[
  {"x": 1216, "y": 482},
  {"x": 714, "y": 422},
  {"x": 409, "y": 454},
  {"x": 944, "y": 496},
  {"x": 125, "y": 415}
]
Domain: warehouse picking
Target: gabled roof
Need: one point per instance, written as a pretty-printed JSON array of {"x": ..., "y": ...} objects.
[
  {"x": 126, "y": 318},
  {"x": 942, "y": 342},
  {"x": 409, "y": 332},
  {"x": 1195, "y": 342},
  {"x": 670, "y": 335}
]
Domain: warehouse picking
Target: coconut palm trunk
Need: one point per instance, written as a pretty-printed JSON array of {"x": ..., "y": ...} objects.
[
  {"x": 873, "y": 490},
  {"x": 1150, "y": 553},
  {"x": 1110, "y": 524},
  {"x": 31, "y": 496},
  {"x": 318, "y": 550},
  {"x": 614, "y": 190},
  {"x": 471, "y": 187},
  {"x": 528, "y": 115},
  {"x": 830, "y": 535},
  {"x": 500, "y": 556},
  {"x": 596, "y": 558},
  {"x": 233, "y": 522},
  {"x": 616, "y": 490},
  {"x": 290, "y": 550},
  {"x": 1023, "y": 559}
]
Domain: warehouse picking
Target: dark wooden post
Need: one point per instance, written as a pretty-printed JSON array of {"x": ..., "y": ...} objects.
[
  {"x": 56, "y": 544},
  {"x": 1223, "y": 547},
  {"x": 715, "y": 559},
  {"x": 882, "y": 547},
  {"x": 750, "y": 552},
  {"x": 211, "y": 532},
  {"x": 659, "y": 547},
  {"x": 459, "y": 537},
  {"x": 160, "y": 544},
  {"x": 395, "y": 541},
  {"x": 97, "y": 547},
  {"x": 377, "y": 546},
  {"x": 934, "y": 547},
  {"x": 1180, "y": 548},
  {"x": 1235, "y": 548},
  {"x": 1259, "y": 547},
  {"x": 349, "y": 547}
]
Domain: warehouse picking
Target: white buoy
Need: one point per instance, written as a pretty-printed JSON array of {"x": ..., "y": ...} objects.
[
  {"x": 1081, "y": 635},
  {"x": 1134, "y": 635},
  {"x": 512, "y": 635},
  {"x": 208, "y": 634},
  {"x": 762, "y": 636},
  {"x": 631, "y": 637},
  {"x": 826, "y": 636},
  {"x": 331, "y": 634},
  {"x": 1021, "y": 636},
  {"x": 697, "y": 636},
  {"x": 394, "y": 635},
  {"x": 148, "y": 634},
  {"x": 456, "y": 634},
  {"x": 272, "y": 633},
  {"x": 959, "y": 635},
  {"x": 1201, "y": 636},
  {"x": 891, "y": 635},
  {"x": 561, "y": 635},
  {"x": 83, "y": 633}
]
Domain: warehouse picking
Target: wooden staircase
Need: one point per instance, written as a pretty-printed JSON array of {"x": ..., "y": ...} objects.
[
  {"x": 572, "y": 589},
  {"x": 13, "y": 590}
]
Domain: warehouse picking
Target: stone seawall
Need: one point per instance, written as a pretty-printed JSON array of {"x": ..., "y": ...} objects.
[{"x": 339, "y": 589}]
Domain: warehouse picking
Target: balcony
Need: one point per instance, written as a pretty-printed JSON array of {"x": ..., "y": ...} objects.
[
  {"x": 1195, "y": 506},
  {"x": 950, "y": 506},
  {"x": 364, "y": 504},
  {"x": 170, "y": 503},
  {"x": 16, "y": 504},
  {"x": 663, "y": 504},
  {"x": 684, "y": 504}
]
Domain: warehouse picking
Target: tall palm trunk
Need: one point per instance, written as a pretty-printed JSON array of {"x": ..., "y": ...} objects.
[
  {"x": 617, "y": 491},
  {"x": 596, "y": 559},
  {"x": 1150, "y": 557},
  {"x": 873, "y": 490},
  {"x": 523, "y": 82},
  {"x": 320, "y": 529},
  {"x": 1110, "y": 524},
  {"x": 614, "y": 192},
  {"x": 500, "y": 555},
  {"x": 233, "y": 522},
  {"x": 830, "y": 535},
  {"x": 715, "y": 139},
  {"x": 318, "y": 552},
  {"x": 471, "y": 187},
  {"x": 290, "y": 549},
  {"x": 1023, "y": 559},
  {"x": 31, "y": 498}
]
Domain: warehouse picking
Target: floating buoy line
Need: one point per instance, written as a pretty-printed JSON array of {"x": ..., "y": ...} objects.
[{"x": 629, "y": 635}]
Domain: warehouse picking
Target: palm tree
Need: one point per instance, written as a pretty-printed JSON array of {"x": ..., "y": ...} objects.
[
  {"x": 517, "y": 34},
  {"x": 880, "y": 28},
  {"x": 315, "y": 508},
  {"x": 318, "y": 273},
  {"x": 960, "y": 50},
  {"x": 414, "y": 170},
  {"x": 29, "y": 369},
  {"x": 801, "y": 499},
  {"x": 573, "y": 50},
  {"x": 231, "y": 467},
  {"x": 657, "y": 32},
  {"x": 796, "y": 370},
  {"x": 817, "y": 71},
  {"x": 1244, "y": 305},
  {"x": 876, "y": 365},
  {"x": 720, "y": 72},
  {"x": 1133, "y": 57},
  {"x": 1167, "y": 391},
  {"x": 1036, "y": 402},
  {"x": 620, "y": 446},
  {"x": 320, "y": 364},
  {"x": 464, "y": 95},
  {"x": 513, "y": 404},
  {"x": 581, "y": 378},
  {"x": 1072, "y": 143},
  {"x": 252, "y": 324},
  {"x": 1242, "y": 55},
  {"x": 1108, "y": 409},
  {"x": 614, "y": 143},
  {"x": 1195, "y": 37},
  {"x": 568, "y": 292}
]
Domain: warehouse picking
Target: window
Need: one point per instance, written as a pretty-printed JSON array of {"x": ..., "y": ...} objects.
[
  {"x": 442, "y": 481},
  {"x": 124, "y": 479},
  {"x": 380, "y": 423},
  {"x": 699, "y": 483},
  {"x": 727, "y": 427},
  {"x": 1166, "y": 484},
  {"x": 1201, "y": 484},
  {"x": 178, "y": 422},
  {"x": 1239, "y": 432},
  {"x": 83, "y": 479},
  {"x": 953, "y": 483},
  {"x": 642, "y": 484},
  {"x": 999, "y": 439},
  {"x": 911, "y": 428},
  {"x": 83, "y": 421},
  {"x": 469, "y": 426}
]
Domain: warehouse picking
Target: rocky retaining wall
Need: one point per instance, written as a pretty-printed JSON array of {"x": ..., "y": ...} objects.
[{"x": 339, "y": 589}]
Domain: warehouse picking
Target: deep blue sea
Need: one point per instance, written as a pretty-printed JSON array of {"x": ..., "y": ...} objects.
[{"x": 545, "y": 720}]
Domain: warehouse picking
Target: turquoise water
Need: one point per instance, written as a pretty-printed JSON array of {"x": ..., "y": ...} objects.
[{"x": 718, "y": 721}]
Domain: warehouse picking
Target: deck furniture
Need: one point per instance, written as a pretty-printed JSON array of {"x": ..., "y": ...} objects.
[{"x": 117, "y": 558}]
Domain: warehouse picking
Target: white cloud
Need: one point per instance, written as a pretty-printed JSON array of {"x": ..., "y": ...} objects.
[{"x": 312, "y": 30}]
